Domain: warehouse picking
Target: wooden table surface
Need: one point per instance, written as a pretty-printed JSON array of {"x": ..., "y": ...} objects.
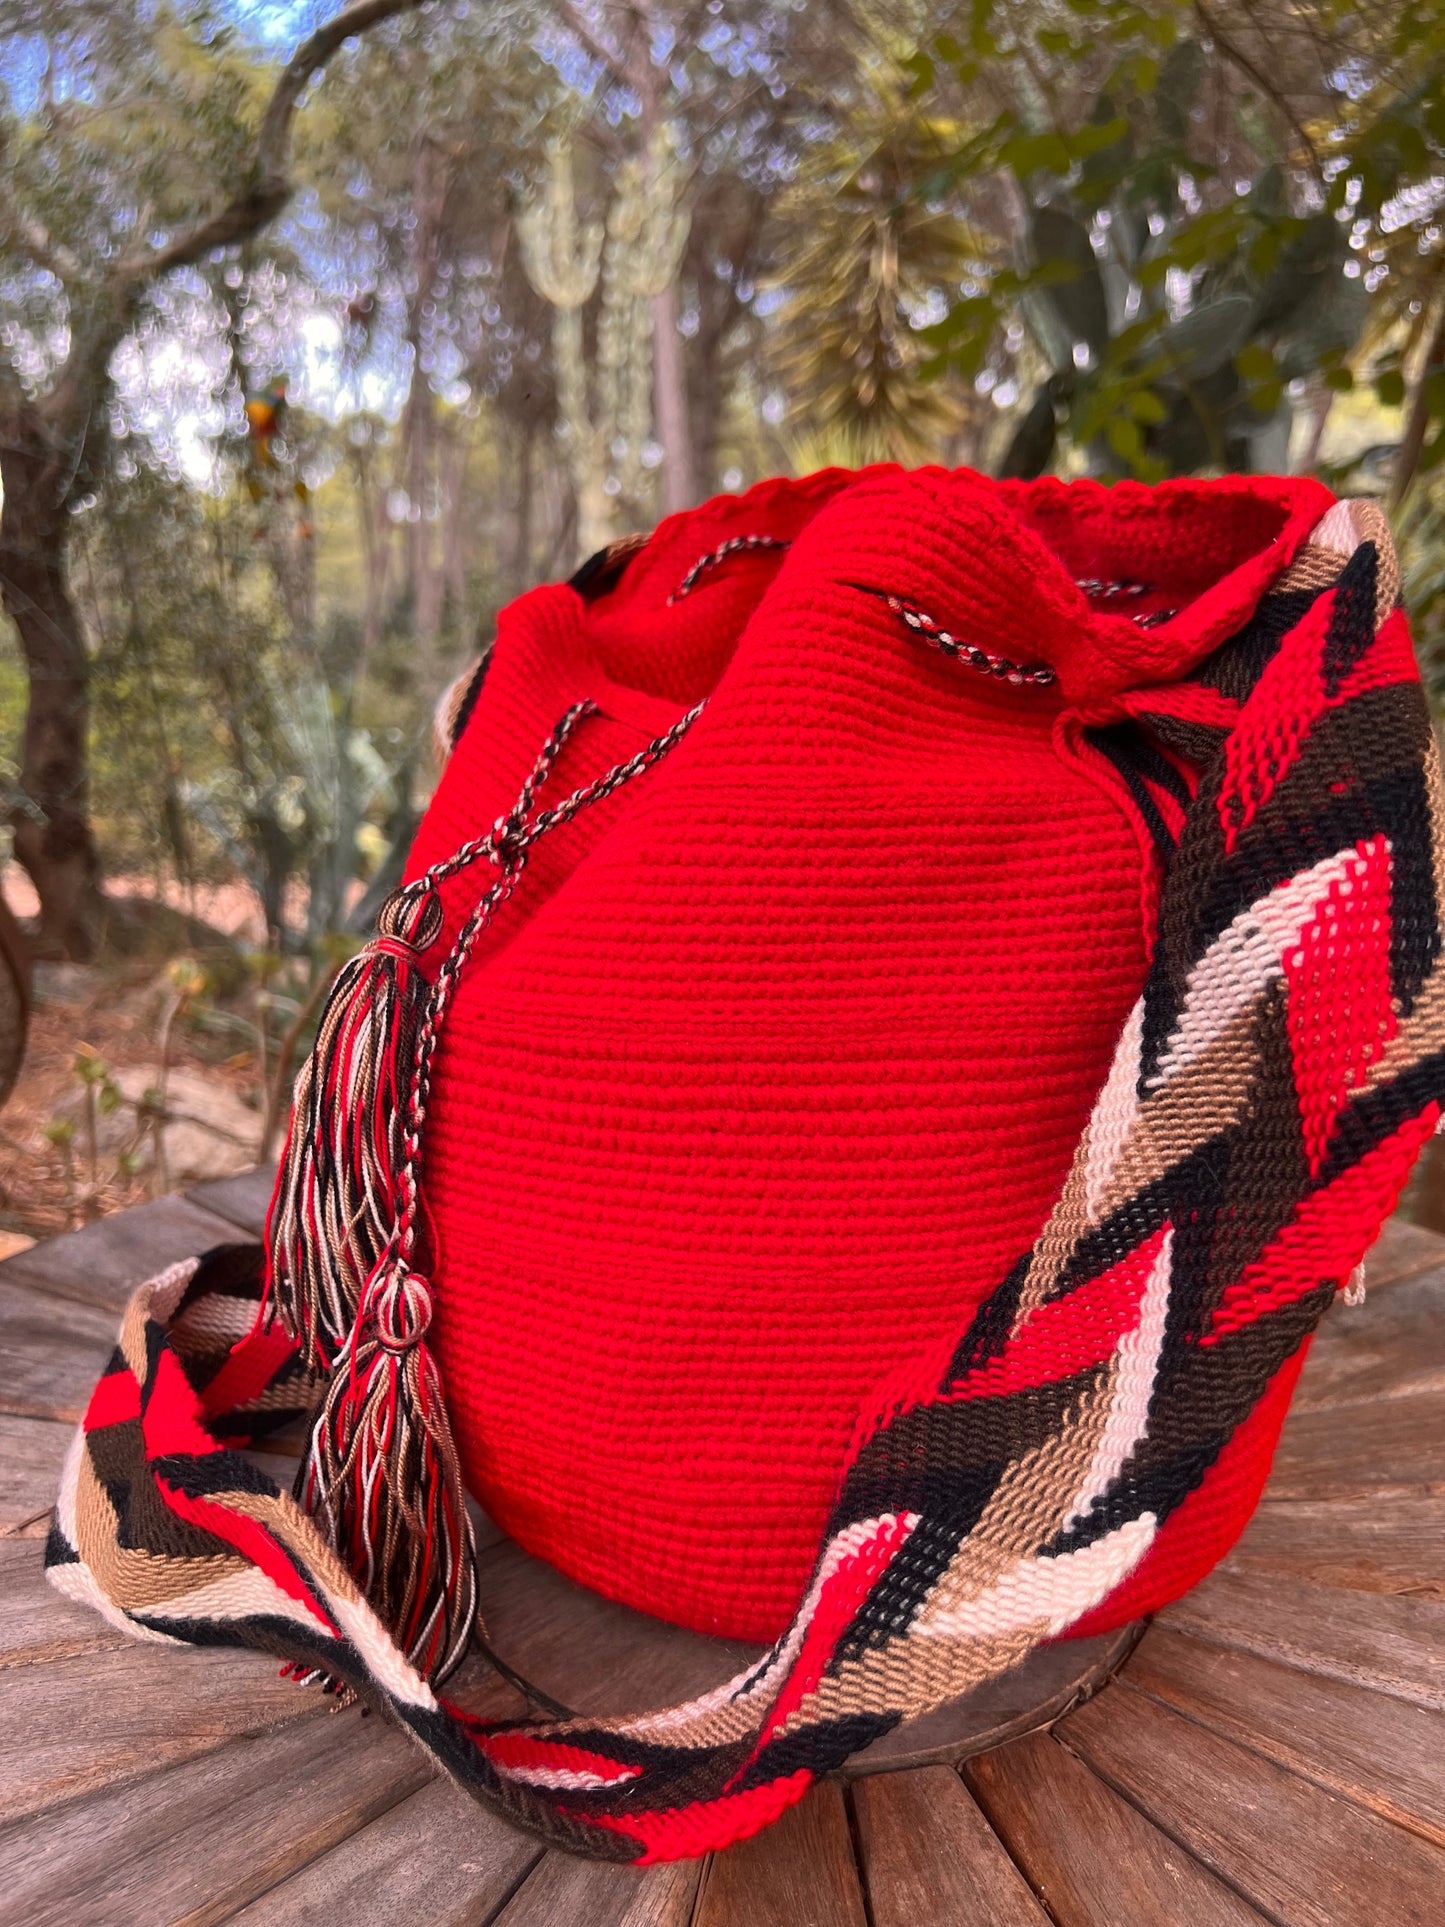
[{"x": 1273, "y": 1749}]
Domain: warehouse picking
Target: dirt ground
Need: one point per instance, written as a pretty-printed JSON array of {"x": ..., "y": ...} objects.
[{"x": 115, "y": 1011}]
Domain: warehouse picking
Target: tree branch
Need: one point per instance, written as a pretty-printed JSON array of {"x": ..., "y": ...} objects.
[
  {"x": 1417, "y": 421},
  {"x": 29, "y": 238},
  {"x": 97, "y": 329},
  {"x": 1251, "y": 70},
  {"x": 269, "y": 188}
]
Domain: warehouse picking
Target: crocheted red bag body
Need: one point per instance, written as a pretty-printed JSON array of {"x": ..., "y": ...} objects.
[
  {"x": 912, "y": 996},
  {"x": 779, "y": 1058}
]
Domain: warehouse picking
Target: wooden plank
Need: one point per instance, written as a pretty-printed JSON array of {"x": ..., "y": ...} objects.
[
  {"x": 32, "y": 1451},
  {"x": 436, "y": 1858},
  {"x": 1381, "y": 1753},
  {"x": 800, "y": 1872},
  {"x": 600, "y": 1658},
  {"x": 37, "y": 1624},
  {"x": 1302, "y": 1855},
  {"x": 1400, "y": 1251},
  {"x": 243, "y": 1200},
  {"x": 98, "y": 1719},
  {"x": 1396, "y": 1444},
  {"x": 1093, "y": 1860},
  {"x": 192, "y": 1844},
  {"x": 567, "y": 1892},
  {"x": 1365, "y": 1545},
  {"x": 1392, "y": 1346},
  {"x": 929, "y": 1855},
  {"x": 1382, "y": 1641},
  {"x": 587, "y": 1651},
  {"x": 1052, "y": 1679},
  {"x": 53, "y": 1351},
  {"x": 103, "y": 1264}
]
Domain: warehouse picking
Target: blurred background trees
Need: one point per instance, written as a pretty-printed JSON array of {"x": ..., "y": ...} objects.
[{"x": 288, "y": 410}]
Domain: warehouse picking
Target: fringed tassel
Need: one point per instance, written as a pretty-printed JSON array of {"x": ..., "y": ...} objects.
[
  {"x": 334, "y": 1213},
  {"x": 383, "y": 1476}
]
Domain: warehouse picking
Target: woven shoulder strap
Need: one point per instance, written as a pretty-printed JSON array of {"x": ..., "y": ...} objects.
[{"x": 1283, "y": 1066}]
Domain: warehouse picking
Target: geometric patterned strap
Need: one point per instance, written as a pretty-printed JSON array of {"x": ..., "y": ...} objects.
[{"x": 1097, "y": 1433}]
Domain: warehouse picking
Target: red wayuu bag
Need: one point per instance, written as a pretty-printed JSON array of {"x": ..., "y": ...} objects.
[{"x": 912, "y": 995}]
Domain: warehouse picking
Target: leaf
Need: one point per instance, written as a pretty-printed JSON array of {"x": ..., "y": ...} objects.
[
  {"x": 1075, "y": 289},
  {"x": 1035, "y": 153},
  {"x": 1208, "y": 336},
  {"x": 1031, "y": 448},
  {"x": 1254, "y": 361},
  {"x": 1097, "y": 136},
  {"x": 1125, "y": 438},
  {"x": 1309, "y": 259}
]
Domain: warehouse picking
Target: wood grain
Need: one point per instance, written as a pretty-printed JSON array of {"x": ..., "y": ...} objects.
[
  {"x": 32, "y": 1451},
  {"x": 1396, "y": 1444},
  {"x": 242, "y": 1200},
  {"x": 103, "y": 1264},
  {"x": 1052, "y": 1679},
  {"x": 1383, "y": 1641},
  {"x": 928, "y": 1854},
  {"x": 799, "y": 1873},
  {"x": 436, "y": 1858},
  {"x": 53, "y": 1351},
  {"x": 584, "y": 1650},
  {"x": 1092, "y": 1859},
  {"x": 1392, "y": 1346},
  {"x": 1361, "y": 1544},
  {"x": 1401, "y": 1250},
  {"x": 1383, "y": 1754},
  {"x": 189, "y": 1846},
  {"x": 97, "y": 1719},
  {"x": 1302, "y": 1855},
  {"x": 1276, "y": 1747},
  {"x": 36, "y": 1623},
  {"x": 594, "y": 1893}
]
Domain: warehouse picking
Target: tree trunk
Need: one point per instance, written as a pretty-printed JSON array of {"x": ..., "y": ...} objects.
[
  {"x": 674, "y": 430},
  {"x": 426, "y": 582},
  {"x": 376, "y": 547},
  {"x": 457, "y": 527},
  {"x": 51, "y": 815},
  {"x": 1417, "y": 421},
  {"x": 526, "y": 495}
]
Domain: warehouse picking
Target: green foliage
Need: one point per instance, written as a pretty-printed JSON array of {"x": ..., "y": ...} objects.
[
  {"x": 1419, "y": 527},
  {"x": 138, "y": 116},
  {"x": 1201, "y": 238},
  {"x": 1080, "y": 233},
  {"x": 859, "y": 254},
  {"x": 223, "y": 741}
]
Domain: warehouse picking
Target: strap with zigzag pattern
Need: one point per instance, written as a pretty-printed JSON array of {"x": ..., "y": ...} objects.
[{"x": 1271, "y": 1088}]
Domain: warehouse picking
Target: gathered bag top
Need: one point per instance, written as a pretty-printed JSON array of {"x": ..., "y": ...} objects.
[{"x": 912, "y": 995}]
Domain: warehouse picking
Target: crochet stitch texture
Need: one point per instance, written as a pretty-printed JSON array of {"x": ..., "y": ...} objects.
[{"x": 976, "y": 1083}]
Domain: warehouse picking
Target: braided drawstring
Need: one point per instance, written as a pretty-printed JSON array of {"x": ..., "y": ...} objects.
[{"x": 382, "y": 1474}]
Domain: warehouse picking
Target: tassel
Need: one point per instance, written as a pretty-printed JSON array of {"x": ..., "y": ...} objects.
[
  {"x": 333, "y": 1215},
  {"x": 383, "y": 1475}
]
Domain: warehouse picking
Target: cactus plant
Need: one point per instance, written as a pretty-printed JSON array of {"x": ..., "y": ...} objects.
[{"x": 634, "y": 255}]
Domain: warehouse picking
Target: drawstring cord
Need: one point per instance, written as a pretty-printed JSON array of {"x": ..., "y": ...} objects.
[{"x": 382, "y": 1475}]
